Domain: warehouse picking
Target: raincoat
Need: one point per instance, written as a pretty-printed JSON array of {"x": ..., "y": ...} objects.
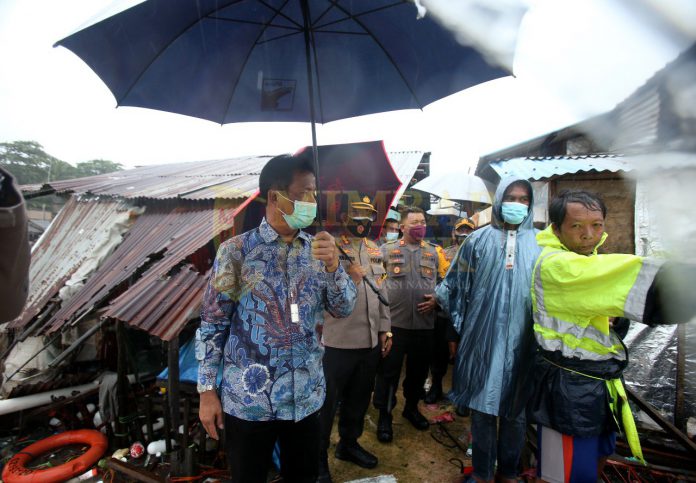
[
  {"x": 578, "y": 387},
  {"x": 487, "y": 295}
]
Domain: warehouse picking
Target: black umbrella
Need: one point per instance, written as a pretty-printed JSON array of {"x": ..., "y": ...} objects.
[{"x": 277, "y": 60}]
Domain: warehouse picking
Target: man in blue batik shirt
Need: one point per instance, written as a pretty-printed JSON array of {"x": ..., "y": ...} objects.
[{"x": 261, "y": 312}]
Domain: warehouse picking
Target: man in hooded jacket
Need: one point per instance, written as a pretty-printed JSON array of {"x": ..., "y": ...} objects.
[
  {"x": 486, "y": 293},
  {"x": 579, "y": 399}
]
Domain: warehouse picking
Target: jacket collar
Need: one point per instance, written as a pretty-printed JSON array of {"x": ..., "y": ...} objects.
[
  {"x": 269, "y": 235},
  {"x": 547, "y": 238}
]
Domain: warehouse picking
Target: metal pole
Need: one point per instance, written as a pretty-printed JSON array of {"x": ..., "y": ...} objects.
[
  {"x": 679, "y": 409},
  {"x": 312, "y": 115},
  {"x": 148, "y": 419},
  {"x": 48, "y": 344},
  {"x": 78, "y": 343},
  {"x": 173, "y": 384},
  {"x": 121, "y": 382}
]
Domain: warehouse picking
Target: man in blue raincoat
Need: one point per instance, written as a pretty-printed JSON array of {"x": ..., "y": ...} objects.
[{"x": 486, "y": 293}]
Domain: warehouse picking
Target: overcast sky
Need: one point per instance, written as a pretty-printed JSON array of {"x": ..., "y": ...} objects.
[{"x": 574, "y": 59}]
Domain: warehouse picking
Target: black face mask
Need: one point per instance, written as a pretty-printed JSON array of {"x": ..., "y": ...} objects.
[{"x": 360, "y": 228}]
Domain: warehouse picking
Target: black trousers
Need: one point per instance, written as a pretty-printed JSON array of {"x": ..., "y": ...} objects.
[
  {"x": 350, "y": 378},
  {"x": 440, "y": 356},
  {"x": 416, "y": 346},
  {"x": 249, "y": 447}
]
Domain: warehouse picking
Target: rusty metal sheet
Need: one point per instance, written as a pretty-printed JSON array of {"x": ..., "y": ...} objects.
[
  {"x": 161, "y": 305},
  {"x": 196, "y": 180},
  {"x": 164, "y": 235},
  {"x": 81, "y": 231}
]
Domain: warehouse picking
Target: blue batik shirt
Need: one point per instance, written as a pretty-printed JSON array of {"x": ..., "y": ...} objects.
[{"x": 271, "y": 366}]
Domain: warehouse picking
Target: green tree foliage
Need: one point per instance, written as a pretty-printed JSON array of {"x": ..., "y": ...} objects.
[
  {"x": 96, "y": 166},
  {"x": 30, "y": 164}
]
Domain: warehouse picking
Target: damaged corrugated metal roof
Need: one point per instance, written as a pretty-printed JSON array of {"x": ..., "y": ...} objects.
[
  {"x": 164, "y": 235},
  {"x": 197, "y": 180},
  {"x": 79, "y": 238},
  {"x": 537, "y": 168},
  {"x": 161, "y": 305},
  {"x": 151, "y": 281},
  {"x": 225, "y": 178}
]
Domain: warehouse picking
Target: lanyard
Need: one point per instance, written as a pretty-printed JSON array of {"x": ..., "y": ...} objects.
[
  {"x": 510, "y": 249},
  {"x": 292, "y": 290}
]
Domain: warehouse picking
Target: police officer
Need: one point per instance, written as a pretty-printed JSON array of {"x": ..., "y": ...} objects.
[
  {"x": 355, "y": 344},
  {"x": 390, "y": 229},
  {"x": 414, "y": 267},
  {"x": 444, "y": 334}
]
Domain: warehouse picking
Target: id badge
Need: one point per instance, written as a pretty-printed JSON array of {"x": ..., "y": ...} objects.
[
  {"x": 295, "y": 313},
  {"x": 510, "y": 250}
]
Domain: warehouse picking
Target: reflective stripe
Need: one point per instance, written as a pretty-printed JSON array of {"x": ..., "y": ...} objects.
[
  {"x": 620, "y": 407},
  {"x": 618, "y": 404},
  {"x": 571, "y": 345},
  {"x": 634, "y": 308},
  {"x": 538, "y": 288},
  {"x": 573, "y": 340}
]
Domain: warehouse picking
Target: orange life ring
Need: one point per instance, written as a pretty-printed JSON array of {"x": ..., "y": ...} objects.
[{"x": 16, "y": 471}]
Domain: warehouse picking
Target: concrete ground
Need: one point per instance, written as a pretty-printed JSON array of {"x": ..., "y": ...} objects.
[{"x": 413, "y": 456}]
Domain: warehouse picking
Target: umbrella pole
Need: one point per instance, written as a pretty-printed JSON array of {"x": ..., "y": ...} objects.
[{"x": 312, "y": 115}]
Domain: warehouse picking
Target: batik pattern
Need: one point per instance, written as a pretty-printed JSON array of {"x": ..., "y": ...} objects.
[{"x": 271, "y": 366}]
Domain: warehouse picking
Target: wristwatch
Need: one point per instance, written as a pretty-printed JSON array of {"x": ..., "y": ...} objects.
[
  {"x": 389, "y": 335},
  {"x": 201, "y": 388}
]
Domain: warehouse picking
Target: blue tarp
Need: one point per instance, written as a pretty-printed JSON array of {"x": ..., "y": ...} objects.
[{"x": 188, "y": 365}]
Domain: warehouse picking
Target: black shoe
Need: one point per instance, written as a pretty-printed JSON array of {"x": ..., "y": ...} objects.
[
  {"x": 415, "y": 418},
  {"x": 434, "y": 394},
  {"x": 324, "y": 473},
  {"x": 355, "y": 453},
  {"x": 385, "y": 433}
]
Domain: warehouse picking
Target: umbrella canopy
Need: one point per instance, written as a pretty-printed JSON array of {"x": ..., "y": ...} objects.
[
  {"x": 277, "y": 60},
  {"x": 248, "y": 60},
  {"x": 460, "y": 187},
  {"x": 354, "y": 171}
]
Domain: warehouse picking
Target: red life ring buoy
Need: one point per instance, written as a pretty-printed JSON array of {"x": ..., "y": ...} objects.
[{"x": 16, "y": 471}]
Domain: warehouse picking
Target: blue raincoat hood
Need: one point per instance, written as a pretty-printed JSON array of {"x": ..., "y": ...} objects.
[{"x": 490, "y": 307}]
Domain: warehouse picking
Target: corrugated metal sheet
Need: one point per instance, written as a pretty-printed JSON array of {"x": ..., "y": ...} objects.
[
  {"x": 164, "y": 235},
  {"x": 533, "y": 168},
  {"x": 638, "y": 120},
  {"x": 81, "y": 233},
  {"x": 161, "y": 305},
  {"x": 162, "y": 296},
  {"x": 405, "y": 164},
  {"x": 198, "y": 180},
  {"x": 226, "y": 178}
]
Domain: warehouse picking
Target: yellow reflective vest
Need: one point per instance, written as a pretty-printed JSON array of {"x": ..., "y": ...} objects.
[{"x": 573, "y": 297}]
